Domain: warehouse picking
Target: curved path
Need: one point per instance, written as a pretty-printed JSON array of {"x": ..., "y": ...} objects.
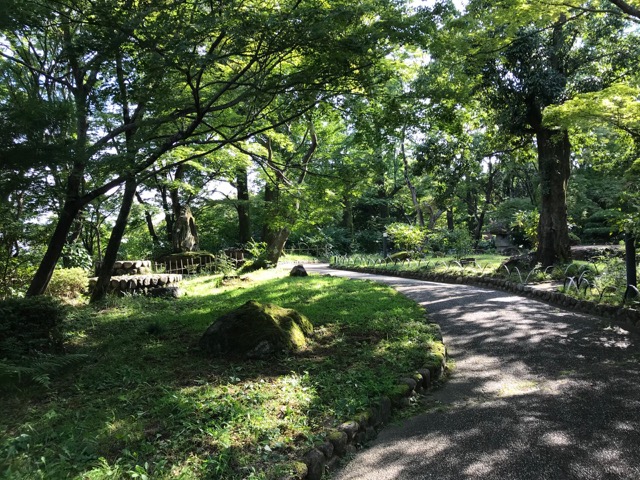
[{"x": 536, "y": 393}]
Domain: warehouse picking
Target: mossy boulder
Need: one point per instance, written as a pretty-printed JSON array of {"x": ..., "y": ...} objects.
[{"x": 257, "y": 330}]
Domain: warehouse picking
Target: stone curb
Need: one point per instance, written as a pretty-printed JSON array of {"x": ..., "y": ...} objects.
[
  {"x": 345, "y": 438},
  {"x": 628, "y": 318}
]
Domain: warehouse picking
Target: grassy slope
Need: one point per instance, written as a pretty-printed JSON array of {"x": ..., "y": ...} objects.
[{"x": 146, "y": 402}]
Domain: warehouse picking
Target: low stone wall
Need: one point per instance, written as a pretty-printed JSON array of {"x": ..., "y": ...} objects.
[
  {"x": 139, "y": 283},
  {"x": 130, "y": 267}
]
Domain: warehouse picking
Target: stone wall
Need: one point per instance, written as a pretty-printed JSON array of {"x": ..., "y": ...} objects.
[{"x": 139, "y": 283}]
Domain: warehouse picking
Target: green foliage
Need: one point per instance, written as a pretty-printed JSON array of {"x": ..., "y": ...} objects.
[
  {"x": 504, "y": 214},
  {"x": 150, "y": 405},
  {"x": 68, "y": 283},
  {"x": 76, "y": 256},
  {"x": 527, "y": 223},
  {"x": 256, "y": 249},
  {"x": 407, "y": 237},
  {"x": 457, "y": 242},
  {"x": 613, "y": 276},
  {"x": 30, "y": 325},
  {"x": 602, "y": 226},
  {"x": 38, "y": 369}
]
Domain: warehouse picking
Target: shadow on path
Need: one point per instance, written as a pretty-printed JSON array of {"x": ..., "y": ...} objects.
[{"x": 536, "y": 393}]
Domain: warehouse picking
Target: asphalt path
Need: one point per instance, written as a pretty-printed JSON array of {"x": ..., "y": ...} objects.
[{"x": 536, "y": 392}]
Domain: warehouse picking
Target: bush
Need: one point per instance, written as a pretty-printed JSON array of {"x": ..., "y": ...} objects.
[
  {"x": 68, "y": 283},
  {"x": 406, "y": 237},
  {"x": 455, "y": 242},
  {"x": 30, "y": 325},
  {"x": 525, "y": 223}
]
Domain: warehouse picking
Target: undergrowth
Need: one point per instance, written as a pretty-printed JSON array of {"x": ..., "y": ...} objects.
[{"x": 146, "y": 403}]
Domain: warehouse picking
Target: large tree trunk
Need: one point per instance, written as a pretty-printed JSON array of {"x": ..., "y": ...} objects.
[
  {"x": 244, "y": 219},
  {"x": 275, "y": 245},
  {"x": 554, "y": 163},
  {"x": 111, "y": 254},
  {"x": 630, "y": 256},
  {"x": 57, "y": 242}
]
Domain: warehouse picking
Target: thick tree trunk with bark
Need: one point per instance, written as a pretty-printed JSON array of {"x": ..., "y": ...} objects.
[
  {"x": 630, "y": 256},
  {"x": 244, "y": 219},
  {"x": 276, "y": 241},
  {"x": 111, "y": 254},
  {"x": 57, "y": 242},
  {"x": 554, "y": 163}
]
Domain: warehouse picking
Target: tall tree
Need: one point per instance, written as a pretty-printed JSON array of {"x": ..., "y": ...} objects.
[{"x": 195, "y": 73}]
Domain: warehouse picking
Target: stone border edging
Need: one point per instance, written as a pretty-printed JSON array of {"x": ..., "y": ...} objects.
[
  {"x": 625, "y": 317},
  {"x": 344, "y": 439}
]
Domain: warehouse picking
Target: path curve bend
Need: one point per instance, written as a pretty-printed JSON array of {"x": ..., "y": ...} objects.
[{"x": 537, "y": 393}]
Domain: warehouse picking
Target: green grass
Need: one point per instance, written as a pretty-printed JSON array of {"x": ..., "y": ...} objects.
[
  {"x": 147, "y": 404},
  {"x": 484, "y": 264}
]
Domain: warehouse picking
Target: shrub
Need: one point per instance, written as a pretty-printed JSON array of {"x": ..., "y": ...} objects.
[
  {"x": 75, "y": 255},
  {"x": 455, "y": 242},
  {"x": 406, "y": 237},
  {"x": 68, "y": 283},
  {"x": 30, "y": 325},
  {"x": 526, "y": 223}
]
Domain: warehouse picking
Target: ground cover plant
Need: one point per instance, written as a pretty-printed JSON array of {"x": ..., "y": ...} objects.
[
  {"x": 473, "y": 265},
  {"x": 601, "y": 279},
  {"x": 147, "y": 404}
]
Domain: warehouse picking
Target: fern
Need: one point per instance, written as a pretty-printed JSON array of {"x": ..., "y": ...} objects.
[{"x": 38, "y": 369}]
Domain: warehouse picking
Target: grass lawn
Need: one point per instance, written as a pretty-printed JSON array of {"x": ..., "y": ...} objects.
[
  {"x": 484, "y": 263},
  {"x": 146, "y": 403}
]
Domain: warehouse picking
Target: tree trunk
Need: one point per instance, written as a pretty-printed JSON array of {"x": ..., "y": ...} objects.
[
  {"x": 244, "y": 219},
  {"x": 57, "y": 242},
  {"x": 347, "y": 216},
  {"x": 630, "y": 257},
  {"x": 477, "y": 234},
  {"x": 149, "y": 220},
  {"x": 554, "y": 163},
  {"x": 275, "y": 245},
  {"x": 411, "y": 186},
  {"x": 111, "y": 254},
  {"x": 450, "y": 224}
]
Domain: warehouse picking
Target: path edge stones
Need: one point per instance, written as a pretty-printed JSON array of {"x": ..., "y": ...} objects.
[{"x": 346, "y": 438}]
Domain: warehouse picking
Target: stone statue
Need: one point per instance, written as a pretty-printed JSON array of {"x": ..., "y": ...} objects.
[{"x": 185, "y": 233}]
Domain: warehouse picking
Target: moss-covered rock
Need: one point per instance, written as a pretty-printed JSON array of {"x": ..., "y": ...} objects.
[{"x": 257, "y": 330}]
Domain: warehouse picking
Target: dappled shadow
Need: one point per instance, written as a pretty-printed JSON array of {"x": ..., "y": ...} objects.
[
  {"x": 536, "y": 392},
  {"x": 148, "y": 395}
]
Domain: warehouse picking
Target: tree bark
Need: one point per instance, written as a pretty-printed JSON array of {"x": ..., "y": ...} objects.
[
  {"x": 111, "y": 254},
  {"x": 554, "y": 163},
  {"x": 410, "y": 185},
  {"x": 347, "y": 215},
  {"x": 58, "y": 239},
  {"x": 450, "y": 224},
  {"x": 630, "y": 257},
  {"x": 149, "y": 220},
  {"x": 275, "y": 245},
  {"x": 244, "y": 218}
]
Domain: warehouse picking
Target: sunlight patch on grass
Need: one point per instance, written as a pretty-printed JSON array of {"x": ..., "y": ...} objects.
[{"x": 148, "y": 402}]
